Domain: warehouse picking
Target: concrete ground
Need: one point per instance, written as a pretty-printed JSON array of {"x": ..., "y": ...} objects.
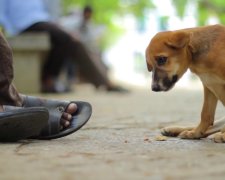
[{"x": 121, "y": 142}]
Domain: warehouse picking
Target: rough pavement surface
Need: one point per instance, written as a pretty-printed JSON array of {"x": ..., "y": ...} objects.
[{"x": 121, "y": 142}]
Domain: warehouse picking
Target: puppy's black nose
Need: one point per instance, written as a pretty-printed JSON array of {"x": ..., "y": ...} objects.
[{"x": 156, "y": 88}]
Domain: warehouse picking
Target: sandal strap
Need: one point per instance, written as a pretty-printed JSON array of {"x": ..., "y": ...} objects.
[
  {"x": 10, "y": 108},
  {"x": 53, "y": 126},
  {"x": 55, "y": 107},
  {"x": 32, "y": 101}
]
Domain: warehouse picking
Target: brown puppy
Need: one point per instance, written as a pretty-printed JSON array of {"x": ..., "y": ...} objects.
[{"x": 202, "y": 50}]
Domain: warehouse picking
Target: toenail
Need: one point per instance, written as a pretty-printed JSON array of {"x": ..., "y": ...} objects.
[
  {"x": 69, "y": 116},
  {"x": 67, "y": 123}
]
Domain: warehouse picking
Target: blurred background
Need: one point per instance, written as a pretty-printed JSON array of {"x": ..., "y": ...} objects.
[
  {"x": 120, "y": 30},
  {"x": 128, "y": 25}
]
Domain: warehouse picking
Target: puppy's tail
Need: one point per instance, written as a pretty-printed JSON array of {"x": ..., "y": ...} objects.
[{"x": 218, "y": 126}]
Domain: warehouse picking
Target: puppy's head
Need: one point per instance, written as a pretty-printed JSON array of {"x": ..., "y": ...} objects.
[{"x": 168, "y": 58}]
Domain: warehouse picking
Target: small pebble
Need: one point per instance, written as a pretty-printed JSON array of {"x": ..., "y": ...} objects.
[{"x": 161, "y": 138}]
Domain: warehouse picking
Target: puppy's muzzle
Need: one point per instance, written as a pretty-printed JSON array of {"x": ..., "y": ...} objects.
[
  {"x": 170, "y": 83},
  {"x": 164, "y": 84},
  {"x": 156, "y": 88}
]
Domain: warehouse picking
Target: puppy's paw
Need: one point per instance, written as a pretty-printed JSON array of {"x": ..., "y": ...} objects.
[
  {"x": 219, "y": 137},
  {"x": 190, "y": 135},
  {"x": 171, "y": 131}
]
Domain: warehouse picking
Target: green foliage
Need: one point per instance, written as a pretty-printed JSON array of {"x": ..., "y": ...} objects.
[
  {"x": 106, "y": 11},
  {"x": 180, "y": 6},
  {"x": 203, "y": 15},
  {"x": 205, "y": 9}
]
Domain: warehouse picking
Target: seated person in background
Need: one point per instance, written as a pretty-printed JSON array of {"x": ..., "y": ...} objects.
[{"x": 19, "y": 17}]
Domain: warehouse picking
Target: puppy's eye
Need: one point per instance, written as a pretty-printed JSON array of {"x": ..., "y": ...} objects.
[{"x": 161, "y": 60}]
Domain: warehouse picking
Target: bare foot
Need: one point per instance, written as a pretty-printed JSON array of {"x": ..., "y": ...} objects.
[{"x": 67, "y": 115}]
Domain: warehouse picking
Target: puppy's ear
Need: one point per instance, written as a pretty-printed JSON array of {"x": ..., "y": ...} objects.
[
  {"x": 178, "y": 39},
  {"x": 149, "y": 66}
]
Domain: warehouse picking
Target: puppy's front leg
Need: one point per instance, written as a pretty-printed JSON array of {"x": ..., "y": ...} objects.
[{"x": 207, "y": 117}]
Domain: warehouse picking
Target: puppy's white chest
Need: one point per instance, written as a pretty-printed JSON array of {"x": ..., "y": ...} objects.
[{"x": 215, "y": 84}]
